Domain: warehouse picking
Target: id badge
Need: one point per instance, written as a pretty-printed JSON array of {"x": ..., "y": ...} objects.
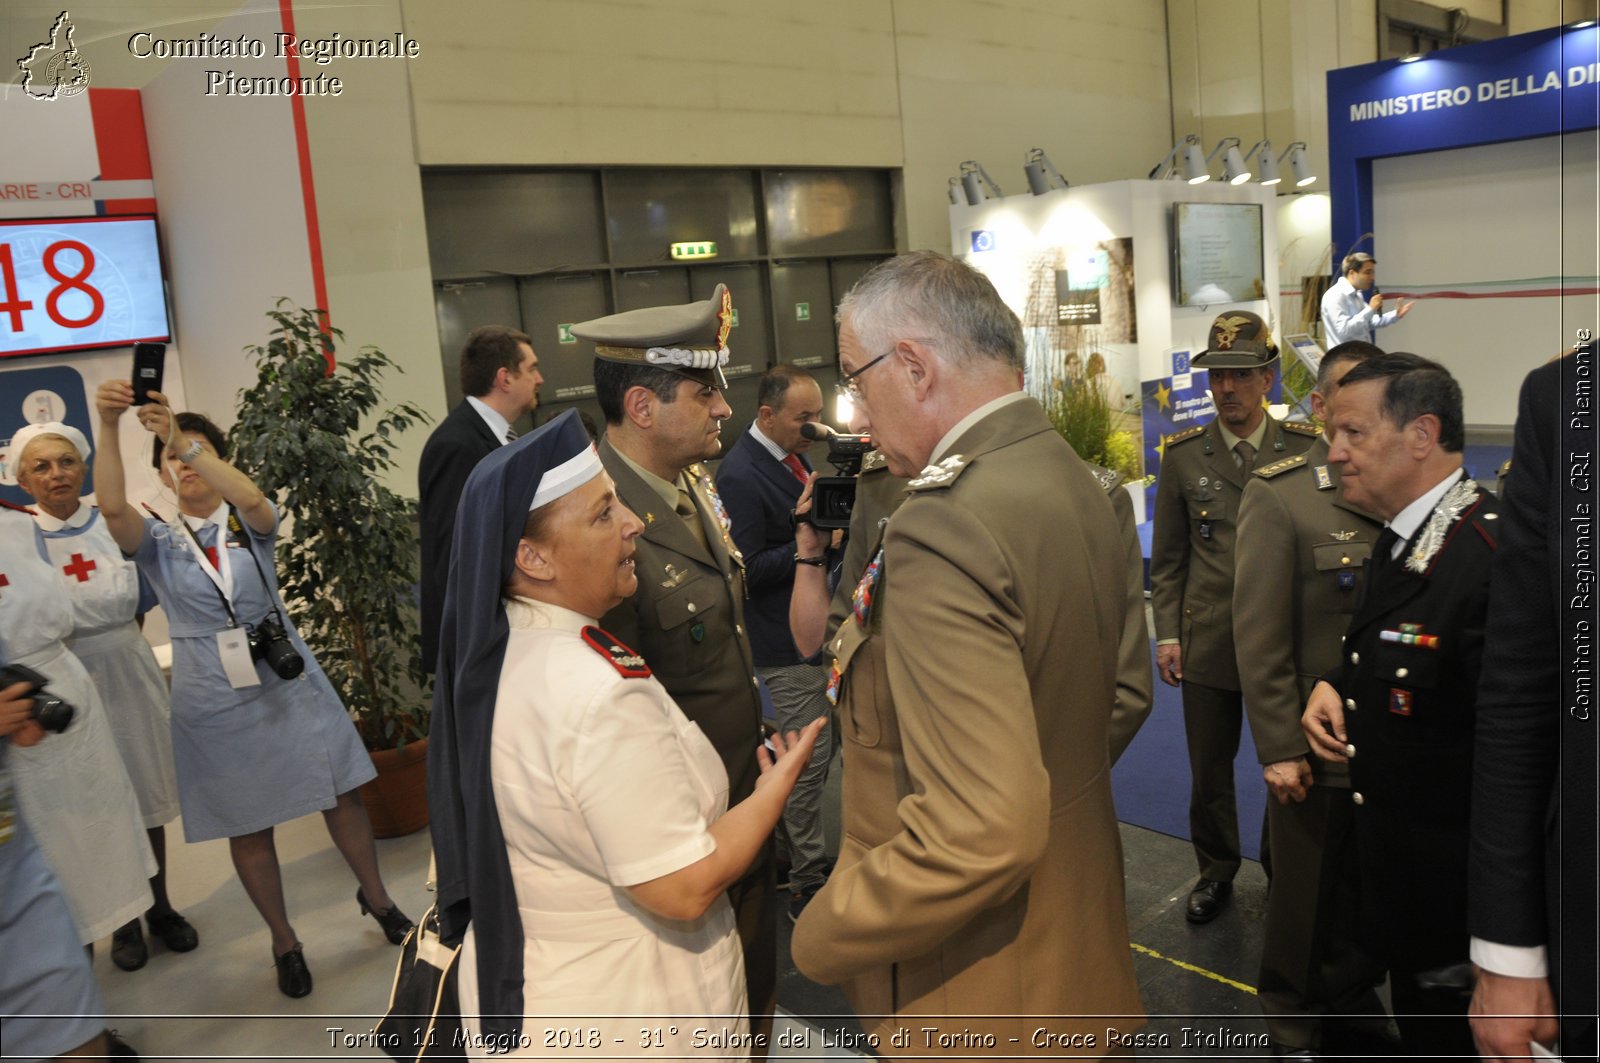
[{"x": 233, "y": 646}]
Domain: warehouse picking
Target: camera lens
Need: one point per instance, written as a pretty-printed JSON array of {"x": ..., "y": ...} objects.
[{"x": 53, "y": 714}]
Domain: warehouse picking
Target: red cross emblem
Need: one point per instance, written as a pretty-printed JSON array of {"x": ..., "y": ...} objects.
[{"x": 80, "y": 567}]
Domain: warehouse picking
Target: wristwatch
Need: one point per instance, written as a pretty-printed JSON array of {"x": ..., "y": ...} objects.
[{"x": 821, "y": 560}]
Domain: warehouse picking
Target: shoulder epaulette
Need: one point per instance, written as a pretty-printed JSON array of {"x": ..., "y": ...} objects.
[
  {"x": 1505, "y": 467},
  {"x": 627, "y": 663},
  {"x": 696, "y": 470},
  {"x": 1186, "y": 434},
  {"x": 1267, "y": 472},
  {"x": 942, "y": 474},
  {"x": 874, "y": 461},
  {"x": 1300, "y": 428},
  {"x": 1106, "y": 478}
]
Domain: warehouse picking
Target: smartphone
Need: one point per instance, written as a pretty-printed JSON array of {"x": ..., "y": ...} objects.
[{"x": 148, "y": 361}]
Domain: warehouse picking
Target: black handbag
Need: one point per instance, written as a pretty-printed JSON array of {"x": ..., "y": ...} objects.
[{"x": 423, "y": 1020}]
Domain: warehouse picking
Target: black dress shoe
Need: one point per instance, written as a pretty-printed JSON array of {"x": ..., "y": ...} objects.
[
  {"x": 173, "y": 930},
  {"x": 394, "y": 922},
  {"x": 1207, "y": 900},
  {"x": 128, "y": 949},
  {"x": 294, "y": 977}
]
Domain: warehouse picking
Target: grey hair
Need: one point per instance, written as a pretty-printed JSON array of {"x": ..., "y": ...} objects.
[{"x": 931, "y": 297}]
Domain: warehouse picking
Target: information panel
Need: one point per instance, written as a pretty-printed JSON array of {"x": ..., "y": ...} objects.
[{"x": 73, "y": 284}]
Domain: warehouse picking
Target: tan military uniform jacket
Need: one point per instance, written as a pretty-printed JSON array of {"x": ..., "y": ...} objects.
[
  {"x": 981, "y": 869},
  {"x": 1300, "y": 554},
  {"x": 687, "y": 618},
  {"x": 879, "y": 493},
  {"x": 1191, "y": 551}
]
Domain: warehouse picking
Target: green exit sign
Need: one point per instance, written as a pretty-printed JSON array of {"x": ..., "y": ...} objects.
[
  {"x": 694, "y": 249},
  {"x": 564, "y": 333}
]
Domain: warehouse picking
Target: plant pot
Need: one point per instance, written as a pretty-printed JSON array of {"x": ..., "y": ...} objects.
[{"x": 397, "y": 800}]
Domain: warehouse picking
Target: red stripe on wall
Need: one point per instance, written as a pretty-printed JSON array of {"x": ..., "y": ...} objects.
[
  {"x": 119, "y": 134},
  {"x": 122, "y": 151},
  {"x": 308, "y": 192}
]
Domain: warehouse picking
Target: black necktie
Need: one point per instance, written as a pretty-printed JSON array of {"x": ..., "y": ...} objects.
[{"x": 1382, "y": 555}]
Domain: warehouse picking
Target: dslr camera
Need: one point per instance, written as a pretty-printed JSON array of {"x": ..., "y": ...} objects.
[
  {"x": 833, "y": 498},
  {"x": 270, "y": 642},
  {"x": 51, "y": 712}
]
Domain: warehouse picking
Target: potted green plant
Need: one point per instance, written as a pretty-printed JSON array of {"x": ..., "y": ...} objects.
[
  {"x": 1082, "y": 414},
  {"x": 311, "y": 433}
]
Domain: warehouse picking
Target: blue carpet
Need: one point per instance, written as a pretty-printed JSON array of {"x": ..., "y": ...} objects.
[{"x": 1151, "y": 781}]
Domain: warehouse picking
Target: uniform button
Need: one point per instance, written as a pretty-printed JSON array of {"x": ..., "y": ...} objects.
[
  {"x": 738, "y": 629},
  {"x": 691, "y": 607},
  {"x": 1401, "y": 673},
  {"x": 1350, "y": 704},
  {"x": 1350, "y": 750},
  {"x": 755, "y": 682},
  {"x": 1205, "y": 513},
  {"x": 1357, "y": 798},
  {"x": 1344, "y": 560},
  {"x": 1355, "y": 657}
]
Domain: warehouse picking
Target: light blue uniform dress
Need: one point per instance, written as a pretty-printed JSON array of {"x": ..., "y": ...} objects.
[
  {"x": 253, "y": 757},
  {"x": 49, "y": 1002}
]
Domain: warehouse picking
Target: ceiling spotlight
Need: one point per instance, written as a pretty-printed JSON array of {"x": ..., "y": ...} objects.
[
  {"x": 1261, "y": 150},
  {"x": 973, "y": 178},
  {"x": 1194, "y": 162},
  {"x": 1232, "y": 162},
  {"x": 956, "y": 196},
  {"x": 1296, "y": 154},
  {"x": 1042, "y": 176}
]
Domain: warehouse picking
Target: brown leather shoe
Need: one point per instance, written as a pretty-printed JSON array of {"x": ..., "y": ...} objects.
[{"x": 1207, "y": 900}]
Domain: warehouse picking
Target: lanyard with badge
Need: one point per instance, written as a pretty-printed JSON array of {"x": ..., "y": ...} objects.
[{"x": 234, "y": 643}]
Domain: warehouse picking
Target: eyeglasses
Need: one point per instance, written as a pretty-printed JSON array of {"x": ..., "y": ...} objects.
[{"x": 847, "y": 386}]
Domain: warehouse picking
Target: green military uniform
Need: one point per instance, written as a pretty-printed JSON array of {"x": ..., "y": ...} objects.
[
  {"x": 687, "y": 617},
  {"x": 1303, "y": 547},
  {"x": 1191, "y": 592}
]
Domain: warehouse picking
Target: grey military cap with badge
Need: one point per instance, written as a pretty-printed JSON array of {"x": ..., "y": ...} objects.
[{"x": 690, "y": 340}]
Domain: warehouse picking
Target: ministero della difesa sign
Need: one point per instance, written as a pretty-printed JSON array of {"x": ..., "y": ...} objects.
[
  {"x": 1532, "y": 85},
  {"x": 225, "y": 81}
]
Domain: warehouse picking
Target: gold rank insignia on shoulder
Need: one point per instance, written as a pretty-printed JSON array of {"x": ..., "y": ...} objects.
[
  {"x": 627, "y": 663},
  {"x": 1324, "y": 478},
  {"x": 1187, "y": 433},
  {"x": 874, "y": 461},
  {"x": 1267, "y": 472},
  {"x": 1301, "y": 428},
  {"x": 941, "y": 474}
]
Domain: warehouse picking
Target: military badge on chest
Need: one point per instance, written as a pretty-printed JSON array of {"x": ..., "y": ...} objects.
[{"x": 860, "y": 615}]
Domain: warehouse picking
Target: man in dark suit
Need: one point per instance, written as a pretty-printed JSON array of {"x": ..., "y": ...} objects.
[
  {"x": 658, "y": 380},
  {"x": 1399, "y": 706},
  {"x": 1532, "y": 886},
  {"x": 760, "y": 480},
  {"x": 1203, "y": 473},
  {"x": 500, "y": 379}
]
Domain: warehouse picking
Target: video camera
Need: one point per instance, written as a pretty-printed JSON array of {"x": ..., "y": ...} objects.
[{"x": 833, "y": 498}]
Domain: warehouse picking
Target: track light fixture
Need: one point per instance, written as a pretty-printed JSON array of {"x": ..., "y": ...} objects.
[
  {"x": 1232, "y": 162},
  {"x": 973, "y": 178},
  {"x": 1042, "y": 176},
  {"x": 1296, "y": 153},
  {"x": 1194, "y": 161}
]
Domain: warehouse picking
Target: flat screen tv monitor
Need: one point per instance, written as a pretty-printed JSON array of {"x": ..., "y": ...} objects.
[
  {"x": 78, "y": 284},
  {"x": 1217, "y": 254}
]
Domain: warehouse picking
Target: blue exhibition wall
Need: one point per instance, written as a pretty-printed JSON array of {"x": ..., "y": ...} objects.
[{"x": 1532, "y": 85}]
